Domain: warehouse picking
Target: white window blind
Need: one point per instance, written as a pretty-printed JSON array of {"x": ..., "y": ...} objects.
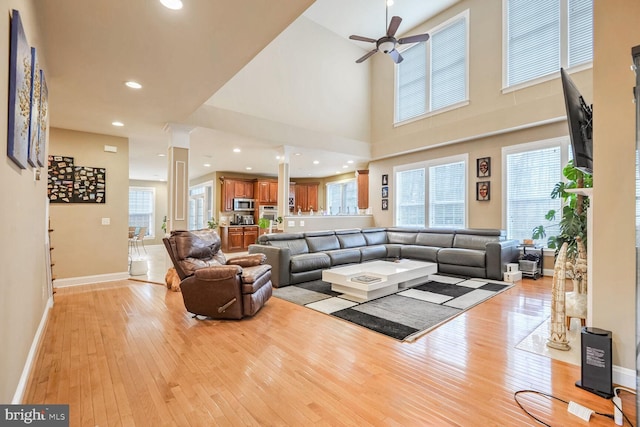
[
  {"x": 433, "y": 74},
  {"x": 411, "y": 90},
  {"x": 449, "y": 65},
  {"x": 533, "y": 39},
  {"x": 535, "y": 45},
  {"x": 410, "y": 202},
  {"x": 447, "y": 195},
  {"x": 531, "y": 176},
  {"x": 580, "y": 31},
  {"x": 141, "y": 208}
]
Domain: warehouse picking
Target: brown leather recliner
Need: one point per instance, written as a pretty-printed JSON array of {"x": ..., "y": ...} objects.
[{"x": 213, "y": 286}]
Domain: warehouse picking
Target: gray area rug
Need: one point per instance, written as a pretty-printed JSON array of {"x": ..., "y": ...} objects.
[{"x": 405, "y": 315}]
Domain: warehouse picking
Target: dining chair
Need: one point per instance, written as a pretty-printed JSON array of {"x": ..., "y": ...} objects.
[{"x": 139, "y": 237}]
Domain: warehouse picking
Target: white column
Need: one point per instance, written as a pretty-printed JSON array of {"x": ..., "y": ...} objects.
[
  {"x": 178, "y": 177},
  {"x": 283, "y": 183}
]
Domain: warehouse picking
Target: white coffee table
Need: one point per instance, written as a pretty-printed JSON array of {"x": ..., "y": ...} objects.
[{"x": 375, "y": 279}]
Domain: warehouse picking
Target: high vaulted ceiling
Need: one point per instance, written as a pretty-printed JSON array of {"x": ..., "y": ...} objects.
[{"x": 262, "y": 75}]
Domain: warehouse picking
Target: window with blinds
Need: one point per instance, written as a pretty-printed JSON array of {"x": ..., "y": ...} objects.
[
  {"x": 447, "y": 195},
  {"x": 544, "y": 35},
  {"x": 531, "y": 174},
  {"x": 441, "y": 183},
  {"x": 410, "y": 202},
  {"x": 342, "y": 197},
  {"x": 433, "y": 74},
  {"x": 141, "y": 208}
]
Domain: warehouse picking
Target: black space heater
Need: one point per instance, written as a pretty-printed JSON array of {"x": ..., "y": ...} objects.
[{"x": 597, "y": 374}]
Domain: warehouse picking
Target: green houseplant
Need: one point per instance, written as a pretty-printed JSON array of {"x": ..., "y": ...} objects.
[
  {"x": 573, "y": 220},
  {"x": 212, "y": 223}
]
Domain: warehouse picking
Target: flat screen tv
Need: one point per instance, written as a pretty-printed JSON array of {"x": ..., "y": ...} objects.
[{"x": 580, "y": 118}]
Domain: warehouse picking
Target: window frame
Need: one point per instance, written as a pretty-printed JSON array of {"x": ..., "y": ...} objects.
[
  {"x": 343, "y": 183},
  {"x": 564, "y": 52},
  {"x": 427, "y": 47},
  {"x": 565, "y": 147},
  {"x": 426, "y": 165},
  {"x": 204, "y": 185},
  {"x": 151, "y": 230}
]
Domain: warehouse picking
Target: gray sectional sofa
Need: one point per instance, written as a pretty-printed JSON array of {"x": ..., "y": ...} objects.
[{"x": 301, "y": 257}]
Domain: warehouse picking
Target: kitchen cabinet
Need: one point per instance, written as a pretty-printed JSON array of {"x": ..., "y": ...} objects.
[
  {"x": 238, "y": 238},
  {"x": 235, "y": 189},
  {"x": 306, "y": 197},
  {"x": 266, "y": 192}
]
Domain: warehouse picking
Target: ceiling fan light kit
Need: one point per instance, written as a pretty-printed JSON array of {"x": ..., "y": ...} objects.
[{"x": 387, "y": 44}]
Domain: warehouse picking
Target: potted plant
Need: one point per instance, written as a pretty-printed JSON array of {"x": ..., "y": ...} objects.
[
  {"x": 212, "y": 223},
  {"x": 264, "y": 224},
  {"x": 573, "y": 222}
]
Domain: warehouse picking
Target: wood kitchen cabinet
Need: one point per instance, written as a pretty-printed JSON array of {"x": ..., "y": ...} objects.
[
  {"x": 266, "y": 192},
  {"x": 306, "y": 197},
  {"x": 236, "y": 189},
  {"x": 234, "y": 239}
]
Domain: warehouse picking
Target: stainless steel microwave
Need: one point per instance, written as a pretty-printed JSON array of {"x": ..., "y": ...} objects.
[{"x": 243, "y": 204}]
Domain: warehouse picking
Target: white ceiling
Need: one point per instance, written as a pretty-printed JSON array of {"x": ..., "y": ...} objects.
[{"x": 183, "y": 58}]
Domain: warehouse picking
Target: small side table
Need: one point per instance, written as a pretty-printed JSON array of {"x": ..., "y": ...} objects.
[{"x": 535, "y": 271}]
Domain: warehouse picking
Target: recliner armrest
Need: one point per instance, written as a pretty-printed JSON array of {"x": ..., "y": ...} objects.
[
  {"x": 499, "y": 254},
  {"x": 250, "y": 260},
  {"x": 218, "y": 272},
  {"x": 279, "y": 259}
]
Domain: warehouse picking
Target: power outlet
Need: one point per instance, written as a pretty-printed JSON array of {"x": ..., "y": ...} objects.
[
  {"x": 106, "y": 221},
  {"x": 301, "y": 223}
]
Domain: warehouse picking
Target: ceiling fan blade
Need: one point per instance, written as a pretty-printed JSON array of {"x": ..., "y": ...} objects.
[
  {"x": 363, "y": 39},
  {"x": 366, "y": 56},
  {"x": 393, "y": 26},
  {"x": 395, "y": 55},
  {"x": 414, "y": 39}
]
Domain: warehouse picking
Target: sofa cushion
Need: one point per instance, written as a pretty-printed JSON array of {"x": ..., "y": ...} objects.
[
  {"x": 460, "y": 256},
  {"x": 375, "y": 236},
  {"x": 322, "y": 243},
  {"x": 307, "y": 262},
  {"x": 423, "y": 253},
  {"x": 295, "y": 246},
  {"x": 344, "y": 256},
  {"x": 404, "y": 237},
  {"x": 351, "y": 240},
  {"x": 438, "y": 239},
  {"x": 373, "y": 252},
  {"x": 473, "y": 241}
]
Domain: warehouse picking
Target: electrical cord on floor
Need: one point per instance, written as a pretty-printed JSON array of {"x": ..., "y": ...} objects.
[
  {"x": 615, "y": 393},
  {"x": 515, "y": 396}
]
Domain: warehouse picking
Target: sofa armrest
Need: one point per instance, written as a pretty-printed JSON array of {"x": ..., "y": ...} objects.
[
  {"x": 499, "y": 254},
  {"x": 247, "y": 260},
  {"x": 279, "y": 259}
]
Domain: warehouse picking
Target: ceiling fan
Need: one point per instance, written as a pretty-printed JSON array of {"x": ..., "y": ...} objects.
[{"x": 387, "y": 44}]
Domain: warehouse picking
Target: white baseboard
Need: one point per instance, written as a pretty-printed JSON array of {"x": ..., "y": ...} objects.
[
  {"x": 624, "y": 376},
  {"x": 31, "y": 357},
  {"x": 86, "y": 280}
]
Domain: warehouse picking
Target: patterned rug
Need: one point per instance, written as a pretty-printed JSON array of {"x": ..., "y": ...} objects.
[{"x": 405, "y": 315}]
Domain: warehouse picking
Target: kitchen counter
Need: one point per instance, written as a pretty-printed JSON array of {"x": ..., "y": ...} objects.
[
  {"x": 236, "y": 238},
  {"x": 298, "y": 223}
]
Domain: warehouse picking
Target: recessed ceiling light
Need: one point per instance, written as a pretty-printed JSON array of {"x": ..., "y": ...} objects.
[
  {"x": 248, "y": 168},
  {"x": 297, "y": 154},
  {"x": 207, "y": 165},
  {"x": 161, "y": 155},
  {"x": 119, "y": 124},
  {"x": 133, "y": 85},
  {"x": 350, "y": 161},
  {"x": 172, "y": 4},
  {"x": 277, "y": 157},
  {"x": 236, "y": 150},
  {"x": 316, "y": 162},
  {"x": 344, "y": 166},
  {"x": 337, "y": 172}
]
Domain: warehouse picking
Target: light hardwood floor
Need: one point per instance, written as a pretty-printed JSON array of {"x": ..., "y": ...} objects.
[{"x": 127, "y": 353}]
